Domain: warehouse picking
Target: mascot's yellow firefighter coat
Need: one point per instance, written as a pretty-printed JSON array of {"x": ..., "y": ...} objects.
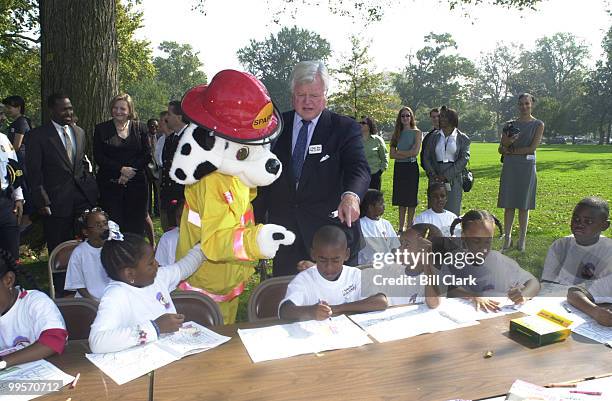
[
  {"x": 219, "y": 215},
  {"x": 221, "y": 167}
]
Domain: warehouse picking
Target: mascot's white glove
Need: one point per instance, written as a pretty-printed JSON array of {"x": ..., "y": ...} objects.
[{"x": 271, "y": 236}]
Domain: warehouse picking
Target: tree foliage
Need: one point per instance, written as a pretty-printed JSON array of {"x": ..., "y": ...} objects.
[
  {"x": 372, "y": 10},
  {"x": 435, "y": 74},
  {"x": 19, "y": 56},
  {"x": 363, "y": 92},
  {"x": 178, "y": 68},
  {"x": 134, "y": 54}
]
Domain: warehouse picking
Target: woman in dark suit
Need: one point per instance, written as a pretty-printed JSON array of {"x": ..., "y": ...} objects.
[
  {"x": 121, "y": 151},
  {"x": 446, "y": 155}
]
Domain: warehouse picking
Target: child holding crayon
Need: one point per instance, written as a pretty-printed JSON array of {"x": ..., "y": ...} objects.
[
  {"x": 493, "y": 274},
  {"x": 328, "y": 288}
]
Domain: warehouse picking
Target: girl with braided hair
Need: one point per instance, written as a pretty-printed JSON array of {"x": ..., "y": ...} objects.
[
  {"x": 136, "y": 306},
  {"x": 496, "y": 277}
]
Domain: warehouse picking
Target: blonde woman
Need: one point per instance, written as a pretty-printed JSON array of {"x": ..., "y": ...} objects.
[{"x": 121, "y": 151}]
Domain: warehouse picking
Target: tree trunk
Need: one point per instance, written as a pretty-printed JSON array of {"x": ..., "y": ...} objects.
[{"x": 79, "y": 57}]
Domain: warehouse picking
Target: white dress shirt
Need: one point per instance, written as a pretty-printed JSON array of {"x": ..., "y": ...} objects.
[
  {"x": 446, "y": 148},
  {"x": 60, "y": 132},
  {"x": 297, "y": 125}
]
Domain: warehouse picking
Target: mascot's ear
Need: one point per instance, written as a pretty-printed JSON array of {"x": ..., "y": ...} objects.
[
  {"x": 204, "y": 138},
  {"x": 203, "y": 169}
]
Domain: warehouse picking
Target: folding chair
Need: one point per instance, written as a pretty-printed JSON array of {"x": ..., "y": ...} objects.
[
  {"x": 79, "y": 314},
  {"x": 58, "y": 261},
  {"x": 266, "y": 297},
  {"x": 197, "y": 307}
]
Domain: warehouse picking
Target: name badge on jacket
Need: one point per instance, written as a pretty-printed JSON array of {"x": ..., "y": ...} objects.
[{"x": 315, "y": 149}]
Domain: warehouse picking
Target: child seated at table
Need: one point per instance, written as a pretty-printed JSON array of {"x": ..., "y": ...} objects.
[
  {"x": 377, "y": 232},
  {"x": 586, "y": 255},
  {"x": 85, "y": 273},
  {"x": 31, "y": 326},
  {"x": 165, "y": 254},
  {"x": 328, "y": 288},
  {"x": 484, "y": 274},
  {"x": 587, "y": 300},
  {"x": 437, "y": 215},
  {"x": 411, "y": 278},
  {"x": 136, "y": 306}
]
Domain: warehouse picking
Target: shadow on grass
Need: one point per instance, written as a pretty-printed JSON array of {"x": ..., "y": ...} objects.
[
  {"x": 578, "y": 148},
  {"x": 556, "y": 166}
]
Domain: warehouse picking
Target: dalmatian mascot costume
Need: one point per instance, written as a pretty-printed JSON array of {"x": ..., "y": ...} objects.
[{"x": 222, "y": 157}]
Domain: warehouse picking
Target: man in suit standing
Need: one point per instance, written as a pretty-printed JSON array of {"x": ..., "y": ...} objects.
[
  {"x": 170, "y": 192},
  {"x": 325, "y": 171},
  {"x": 59, "y": 174}
]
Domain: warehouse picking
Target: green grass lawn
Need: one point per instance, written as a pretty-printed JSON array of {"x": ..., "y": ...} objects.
[{"x": 566, "y": 174}]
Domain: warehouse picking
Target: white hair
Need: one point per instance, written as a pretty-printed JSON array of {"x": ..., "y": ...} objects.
[{"x": 307, "y": 71}]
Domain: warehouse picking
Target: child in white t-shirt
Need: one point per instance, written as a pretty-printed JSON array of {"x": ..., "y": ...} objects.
[
  {"x": 585, "y": 255},
  {"x": 328, "y": 288},
  {"x": 165, "y": 254},
  {"x": 31, "y": 326},
  {"x": 411, "y": 279},
  {"x": 437, "y": 215},
  {"x": 136, "y": 306},
  {"x": 85, "y": 273},
  {"x": 486, "y": 274},
  {"x": 377, "y": 232}
]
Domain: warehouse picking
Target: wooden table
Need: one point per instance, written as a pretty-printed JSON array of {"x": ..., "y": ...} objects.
[
  {"x": 439, "y": 366},
  {"x": 93, "y": 385}
]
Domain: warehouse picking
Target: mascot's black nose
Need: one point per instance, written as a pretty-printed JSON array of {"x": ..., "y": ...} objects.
[{"x": 272, "y": 166}]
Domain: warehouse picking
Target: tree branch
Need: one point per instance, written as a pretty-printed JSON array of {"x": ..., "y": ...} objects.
[{"x": 18, "y": 36}]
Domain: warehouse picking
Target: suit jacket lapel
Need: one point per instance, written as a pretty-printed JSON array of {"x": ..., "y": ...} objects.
[
  {"x": 58, "y": 144},
  {"x": 79, "y": 134},
  {"x": 319, "y": 137},
  {"x": 282, "y": 150}
]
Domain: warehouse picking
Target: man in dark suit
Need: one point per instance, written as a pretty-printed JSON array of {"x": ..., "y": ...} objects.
[
  {"x": 59, "y": 173},
  {"x": 170, "y": 192},
  {"x": 325, "y": 171}
]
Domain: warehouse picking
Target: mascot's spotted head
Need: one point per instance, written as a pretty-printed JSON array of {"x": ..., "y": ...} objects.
[{"x": 233, "y": 122}]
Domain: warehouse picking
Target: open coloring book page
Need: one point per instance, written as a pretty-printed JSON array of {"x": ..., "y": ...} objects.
[
  {"x": 312, "y": 336},
  {"x": 29, "y": 373},
  {"x": 129, "y": 364},
  {"x": 406, "y": 321}
]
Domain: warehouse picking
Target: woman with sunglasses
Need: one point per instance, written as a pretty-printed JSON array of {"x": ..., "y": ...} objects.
[
  {"x": 405, "y": 146},
  {"x": 375, "y": 151}
]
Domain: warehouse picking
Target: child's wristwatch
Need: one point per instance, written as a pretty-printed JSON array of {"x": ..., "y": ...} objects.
[{"x": 2, "y": 363}]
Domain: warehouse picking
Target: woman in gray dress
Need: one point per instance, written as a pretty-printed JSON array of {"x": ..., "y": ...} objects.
[{"x": 518, "y": 181}]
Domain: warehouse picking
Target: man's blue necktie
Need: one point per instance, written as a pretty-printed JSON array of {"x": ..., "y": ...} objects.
[{"x": 297, "y": 157}]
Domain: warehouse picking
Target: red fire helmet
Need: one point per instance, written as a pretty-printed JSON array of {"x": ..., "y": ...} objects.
[{"x": 235, "y": 105}]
